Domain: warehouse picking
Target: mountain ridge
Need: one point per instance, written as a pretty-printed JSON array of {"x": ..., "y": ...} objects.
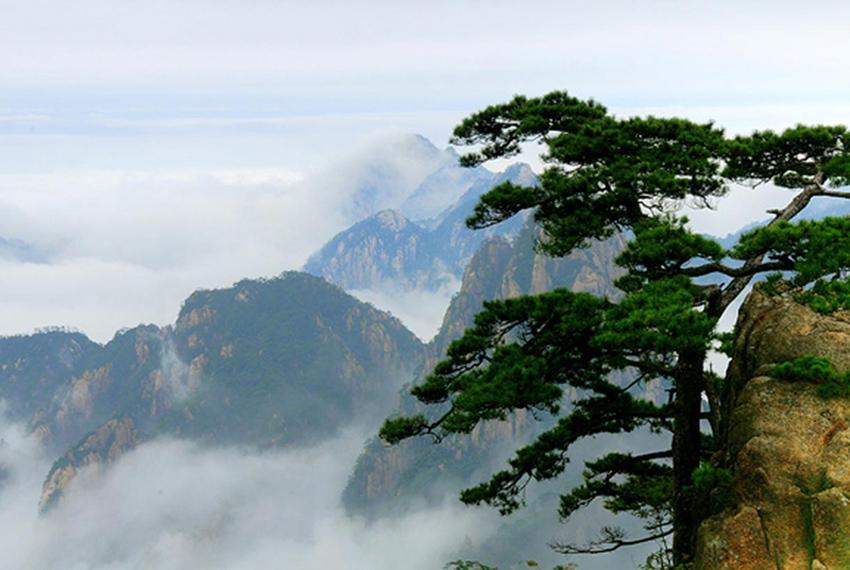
[{"x": 388, "y": 250}]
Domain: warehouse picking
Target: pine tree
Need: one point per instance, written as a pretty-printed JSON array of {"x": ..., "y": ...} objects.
[{"x": 605, "y": 175}]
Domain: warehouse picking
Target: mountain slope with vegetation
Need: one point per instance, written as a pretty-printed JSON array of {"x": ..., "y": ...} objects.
[{"x": 283, "y": 361}]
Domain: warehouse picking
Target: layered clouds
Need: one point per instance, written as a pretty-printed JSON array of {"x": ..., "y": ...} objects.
[{"x": 173, "y": 505}]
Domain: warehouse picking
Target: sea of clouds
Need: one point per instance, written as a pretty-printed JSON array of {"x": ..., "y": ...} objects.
[
  {"x": 173, "y": 505},
  {"x": 176, "y": 505}
]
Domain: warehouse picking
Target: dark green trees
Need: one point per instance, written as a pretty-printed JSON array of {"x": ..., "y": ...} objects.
[{"x": 607, "y": 175}]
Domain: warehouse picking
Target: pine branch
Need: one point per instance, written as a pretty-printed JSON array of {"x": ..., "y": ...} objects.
[
  {"x": 743, "y": 271},
  {"x": 718, "y": 306},
  {"x": 835, "y": 194},
  {"x": 613, "y": 537}
]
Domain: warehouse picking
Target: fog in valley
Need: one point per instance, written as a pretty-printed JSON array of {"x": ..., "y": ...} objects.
[{"x": 174, "y": 505}]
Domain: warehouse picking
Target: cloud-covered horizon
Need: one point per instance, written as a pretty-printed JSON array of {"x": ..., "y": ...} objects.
[
  {"x": 103, "y": 249},
  {"x": 150, "y": 149},
  {"x": 115, "y": 248}
]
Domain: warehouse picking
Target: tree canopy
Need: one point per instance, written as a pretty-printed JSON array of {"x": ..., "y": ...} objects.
[{"x": 605, "y": 175}]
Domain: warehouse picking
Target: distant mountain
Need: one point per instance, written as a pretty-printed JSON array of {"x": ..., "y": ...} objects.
[
  {"x": 820, "y": 208},
  {"x": 278, "y": 361},
  {"x": 19, "y": 250},
  {"x": 388, "y": 250},
  {"x": 283, "y": 361},
  {"x": 403, "y": 171},
  {"x": 443, "y": 187},
  {"x": 390, "y": 480}
]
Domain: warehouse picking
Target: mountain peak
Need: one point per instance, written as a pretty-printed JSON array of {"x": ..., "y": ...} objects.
[
  {"x": 392, "y": 219},
  {"x": 520, "y": 173}
]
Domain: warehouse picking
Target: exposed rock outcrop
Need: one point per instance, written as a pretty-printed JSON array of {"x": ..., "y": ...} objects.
[
  {"x": 97, "y": 450},
  {"x": 789, "y": 448},
  {"x": 33, "y": 367},
  {"x": 277, "y": 361}
]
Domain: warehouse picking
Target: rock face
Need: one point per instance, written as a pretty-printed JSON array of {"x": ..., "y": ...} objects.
[
  {"x": 119, "y": 377},
  {"x": 32, "y": 368},
  {"x": 385, "y": 247},
  {"x": 789, "y": 449},
  {"x": 91, "y": 455}
]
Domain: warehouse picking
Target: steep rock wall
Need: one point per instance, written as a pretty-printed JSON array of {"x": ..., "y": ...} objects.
[{"x": 789, "y": 449}]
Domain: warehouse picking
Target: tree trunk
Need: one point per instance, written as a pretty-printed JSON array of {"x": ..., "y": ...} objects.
[{"x": 686, "y": 452}]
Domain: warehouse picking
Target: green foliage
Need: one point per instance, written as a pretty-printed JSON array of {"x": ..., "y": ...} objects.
[
  {"x": 660, "y": 560},
  {"x": 826, "y": 296},
  {"x": 551, "y": 348},
  {"x": 713, "y": 485},
  {"x": 792, "y": 158},
  {"x": 816, "y": 370},
  {"x": 636, "y": 485},
  {"x": 774, "y": 284},
  {"x": 502, "y": 128},
  {"x": 612, "y": 168},
  {"x": 398, "y": 429},
  {"x": 658, "y": 321},
  {"x": 812, "y": 249},
  {"x": 726, "y": 344},
  {"x": 662, "y": 247}
]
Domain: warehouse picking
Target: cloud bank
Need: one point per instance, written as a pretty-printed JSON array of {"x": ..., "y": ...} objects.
[{"x": 173, "y": 505}]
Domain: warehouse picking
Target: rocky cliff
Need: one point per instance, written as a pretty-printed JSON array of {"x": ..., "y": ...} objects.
[
  {"x": 34, "y": 367},
  {"x": 90, "y": 456},
  {"x": 788, "y": 447},
  {"x": 120, "y": 377}
]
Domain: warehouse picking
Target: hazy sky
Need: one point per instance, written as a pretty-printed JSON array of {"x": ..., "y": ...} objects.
[{"x": 156, "y": 147}]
